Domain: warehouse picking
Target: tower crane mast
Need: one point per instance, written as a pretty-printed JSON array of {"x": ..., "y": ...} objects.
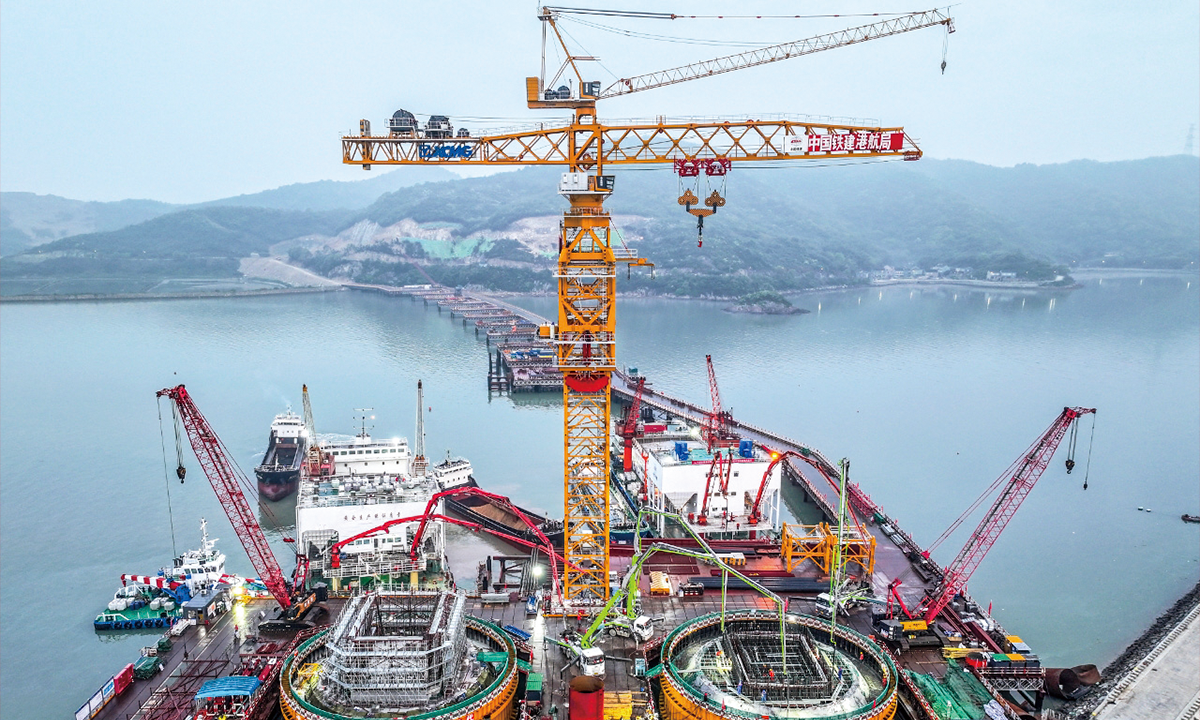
[
  {"x": 225, "y": 477},
  {"x": 1018, "y": 482},
  {"x": 584, "y": 333}
]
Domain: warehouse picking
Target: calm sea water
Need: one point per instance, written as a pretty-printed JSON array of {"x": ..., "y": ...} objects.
[{"x": 931, "y": 393}]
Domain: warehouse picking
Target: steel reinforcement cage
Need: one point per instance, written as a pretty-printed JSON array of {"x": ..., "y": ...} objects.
[
  {"x": 697, "y": 704},
  {"x": 498, "y": 695},
  {"x": 395, "y": 650}
]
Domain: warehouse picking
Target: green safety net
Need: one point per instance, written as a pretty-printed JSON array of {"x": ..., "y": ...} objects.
[{"x": 957, "y": 696}]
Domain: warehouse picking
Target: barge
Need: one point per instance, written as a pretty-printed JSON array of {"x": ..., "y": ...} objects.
[{"x": 280, "y": 469}]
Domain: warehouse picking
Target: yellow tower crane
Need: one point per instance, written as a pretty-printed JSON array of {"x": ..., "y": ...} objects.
[{"x": 584, "y": 334}]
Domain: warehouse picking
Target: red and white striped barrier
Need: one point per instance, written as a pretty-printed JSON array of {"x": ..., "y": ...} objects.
[{"x": 158, "y": 582}]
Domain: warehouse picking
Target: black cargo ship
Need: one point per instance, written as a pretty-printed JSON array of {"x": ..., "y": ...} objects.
[{"x": 279, "y": 472}]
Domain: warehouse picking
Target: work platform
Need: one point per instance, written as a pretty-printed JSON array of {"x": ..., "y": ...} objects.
[{"x": 199, "y": 654}]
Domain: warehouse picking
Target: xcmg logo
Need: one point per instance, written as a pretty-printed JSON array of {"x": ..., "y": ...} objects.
[{"x": 447, "y": 151}]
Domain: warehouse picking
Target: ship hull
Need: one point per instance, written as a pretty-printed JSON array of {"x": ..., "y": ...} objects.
[
  {"x": 493, "y": 516},
  {"x": 279, "y": 473},
  {"x": 277, "y": 485}
]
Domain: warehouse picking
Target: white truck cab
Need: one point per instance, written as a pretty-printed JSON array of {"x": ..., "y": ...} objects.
[
  {"x": 642, "y": 628},
  {"x": 591, "y": 661}
]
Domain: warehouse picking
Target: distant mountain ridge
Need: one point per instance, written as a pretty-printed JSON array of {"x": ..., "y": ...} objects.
[
  {"x": 782, "y": 228},
  {"x": 27, "y": 219}
]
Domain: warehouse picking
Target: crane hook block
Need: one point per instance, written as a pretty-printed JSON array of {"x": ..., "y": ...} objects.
[
  {"x": 181, "y": 472},
  {"x": 688, "y": 198},
  {"x": 715, "y": 200}
]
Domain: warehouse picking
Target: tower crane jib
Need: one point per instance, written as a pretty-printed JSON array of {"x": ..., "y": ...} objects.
[{"x": 775, "y": 53}]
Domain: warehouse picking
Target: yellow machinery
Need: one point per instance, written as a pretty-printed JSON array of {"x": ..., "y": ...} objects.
[{"x": 585, "y": 330}]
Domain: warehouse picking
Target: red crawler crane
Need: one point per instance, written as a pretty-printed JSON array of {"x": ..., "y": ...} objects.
[
  {"x": 717, "y": 431},
  {"x": 629, "y": 427},
  {"x": 225, "y": 477},
  {"x": 719, "y": 469},
  {"x": 1018, "y": 481}
]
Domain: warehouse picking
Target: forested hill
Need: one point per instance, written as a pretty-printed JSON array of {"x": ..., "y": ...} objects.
[
  {"x": 887, "y": 213},
  {"x": 782, "y": 228}
]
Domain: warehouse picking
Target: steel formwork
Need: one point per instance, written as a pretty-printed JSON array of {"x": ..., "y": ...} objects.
[
  {"x": 752, "y": 659},
  {"x": 819, "y": 543},
  {"x": 395, "y": 651},
  {"x": 731, "y": 666}
]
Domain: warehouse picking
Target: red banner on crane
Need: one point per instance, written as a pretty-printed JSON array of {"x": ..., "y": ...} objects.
[{"x": 845, "y": 142}]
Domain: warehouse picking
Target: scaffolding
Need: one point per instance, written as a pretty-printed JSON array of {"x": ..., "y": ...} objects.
[
  {"x": 395, "y": 651},
  {"x": 818, "y": 542}
]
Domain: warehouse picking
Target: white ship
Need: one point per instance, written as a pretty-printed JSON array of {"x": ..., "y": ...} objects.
[
  {"x": 201, "y": 568},
  {"x": 372, "y": 483},
  {"x": 280, "y": 468}
]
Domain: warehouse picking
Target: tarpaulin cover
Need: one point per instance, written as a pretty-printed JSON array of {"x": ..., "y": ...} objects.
[{"x": 228, "y": 686}]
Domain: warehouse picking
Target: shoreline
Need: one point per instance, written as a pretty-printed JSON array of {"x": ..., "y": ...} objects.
[
  {"x": 1129, "y": 664},
  {"x": 115, "y": 297},
  {"x": 974, "y": 284},
  {"x": 339, "y": 285}
]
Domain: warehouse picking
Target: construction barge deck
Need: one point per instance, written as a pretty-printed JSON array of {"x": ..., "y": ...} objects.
[
  {"x": 524, "y": 361},
  {"x": 676, "y": 673}
]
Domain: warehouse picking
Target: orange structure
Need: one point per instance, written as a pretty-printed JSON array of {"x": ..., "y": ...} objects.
[{"x": 586, "y": 148}]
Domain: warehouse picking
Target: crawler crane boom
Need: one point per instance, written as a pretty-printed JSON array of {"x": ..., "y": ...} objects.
[
  {"x": 629, "y": 427},
  {"x": 225, "y": 477},
  {"x": 1018, "y": 482}
]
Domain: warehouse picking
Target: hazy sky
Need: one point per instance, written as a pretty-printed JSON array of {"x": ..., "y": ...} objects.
[{"x": 186, "y": 102}]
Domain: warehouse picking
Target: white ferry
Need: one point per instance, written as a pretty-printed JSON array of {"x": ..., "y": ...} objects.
[{"x": 372, "y": 483}]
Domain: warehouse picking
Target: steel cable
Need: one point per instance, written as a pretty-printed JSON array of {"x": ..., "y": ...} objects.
[{"x": 166, "y": 476}]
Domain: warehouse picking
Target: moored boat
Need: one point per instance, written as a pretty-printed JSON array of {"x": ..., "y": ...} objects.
[
  {"x": 280, "y": 469},
  {"x": 156, "y": 601}
]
